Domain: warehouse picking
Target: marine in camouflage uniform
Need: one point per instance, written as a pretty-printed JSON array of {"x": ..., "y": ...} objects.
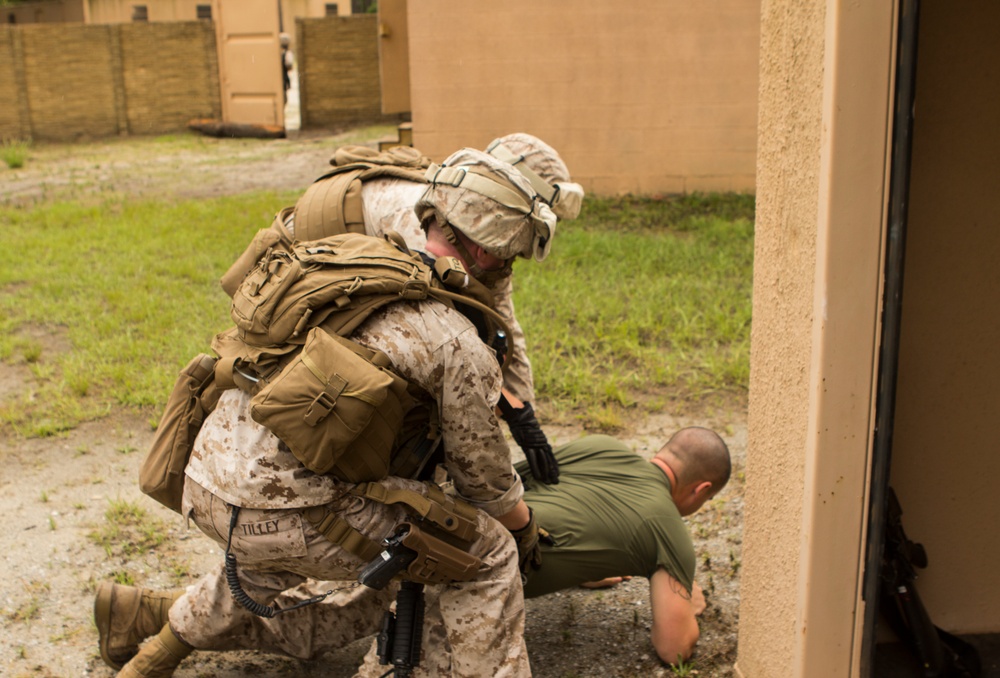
[
  {"x": 237, "y": 462},
  {"x": 388, "y": 205}
]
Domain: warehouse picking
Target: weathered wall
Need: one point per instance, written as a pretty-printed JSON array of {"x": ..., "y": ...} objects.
[
  {"x": 338, "y": 71},
  {"x": 788, "y": 170},
  {"x": 72, "y": 80},
  {"x": 945, "y": 461},
  {"x": 645, "y": 97}
]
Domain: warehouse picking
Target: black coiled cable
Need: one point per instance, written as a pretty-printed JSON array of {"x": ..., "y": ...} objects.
[{"x": 241, "y": 596}]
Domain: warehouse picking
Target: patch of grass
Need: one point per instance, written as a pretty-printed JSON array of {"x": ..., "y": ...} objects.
[
  {"x": 133, "y": 288},
  {"x": 128, "y": 530},
  {"x": 640, "y": 296},
  {"x": 642, "y": 300},
  {"x": 14, "y": 152},
  {"x": 123, "y": 577},
  {"x": 27, "y": 611},
  {"x": 682, "y": 668}
]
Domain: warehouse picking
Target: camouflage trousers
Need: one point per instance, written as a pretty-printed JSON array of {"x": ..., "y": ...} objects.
[{"x": 473, "y": 628}]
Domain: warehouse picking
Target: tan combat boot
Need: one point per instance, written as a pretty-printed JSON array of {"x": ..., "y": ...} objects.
[
  {"x": 125, "y": 616},
  {"x": 158, "y": 658}
]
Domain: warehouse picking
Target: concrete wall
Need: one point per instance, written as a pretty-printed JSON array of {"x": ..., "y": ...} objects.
[
  {"x": 791, "y": 68},
  {"x": 72, "y": 80},
  {"x": 946, "y": 460},
  {"x": 338, "y": 71},
  {"x": 826, "y": 74},
  {"x": 646, "y": 97}
]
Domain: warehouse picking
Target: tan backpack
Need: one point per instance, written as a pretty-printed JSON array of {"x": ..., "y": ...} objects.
[
  {"x": 337, "y": 405},
  {"x": 332, "y": 204}
]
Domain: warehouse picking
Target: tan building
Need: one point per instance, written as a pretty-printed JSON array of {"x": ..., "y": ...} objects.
[
  {"x": 122, "y": 11},
  {"x": 860, "y": 375},
  {"x": 646, "y": 97}
]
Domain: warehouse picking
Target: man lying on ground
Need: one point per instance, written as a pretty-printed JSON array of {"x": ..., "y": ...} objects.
[{"x": 612, "y": 514}]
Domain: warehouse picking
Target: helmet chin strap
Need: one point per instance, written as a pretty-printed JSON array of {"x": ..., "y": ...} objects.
[{"x": 488, "y": 278}]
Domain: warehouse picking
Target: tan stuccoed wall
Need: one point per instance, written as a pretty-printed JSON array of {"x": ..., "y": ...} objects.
[
  {"x": 788, "y": 166},
  {"x": 946, "y": 461},
  {"x": 645, "y": 97},
  {"x": 826, "y": 73}
]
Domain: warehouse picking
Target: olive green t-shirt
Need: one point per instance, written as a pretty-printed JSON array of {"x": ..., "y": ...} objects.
[{"x": 610, "y": 514}]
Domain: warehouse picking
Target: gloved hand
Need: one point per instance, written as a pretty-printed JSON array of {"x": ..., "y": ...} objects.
[
  {"x": 531, "y": 439},
  {"x": 528, "y": 538}
]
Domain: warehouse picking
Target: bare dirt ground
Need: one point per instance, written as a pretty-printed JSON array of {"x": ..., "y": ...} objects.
[{"x": 57, "y": 544}]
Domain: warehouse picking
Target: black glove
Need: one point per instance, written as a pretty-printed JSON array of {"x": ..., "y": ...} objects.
[
  {"x": 529, "y": 553},
  {"x": 529, "y": 436}
]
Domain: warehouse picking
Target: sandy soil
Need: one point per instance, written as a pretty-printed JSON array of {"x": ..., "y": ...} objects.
[{"x": 55, "y": 492}]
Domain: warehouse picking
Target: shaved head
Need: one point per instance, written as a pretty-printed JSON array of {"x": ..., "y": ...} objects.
[{"x": 698, "y": 454}]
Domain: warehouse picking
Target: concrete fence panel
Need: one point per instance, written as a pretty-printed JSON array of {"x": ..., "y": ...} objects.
[
  {"x": 71, "y": 81},
  {"x": 339, "y": 71},
  {"x": 178, "y": 80},
  {"x": 69, "y": 73}
]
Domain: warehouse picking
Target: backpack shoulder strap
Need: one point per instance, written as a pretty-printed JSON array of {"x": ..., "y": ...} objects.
[{"x": 332, "y": 204}]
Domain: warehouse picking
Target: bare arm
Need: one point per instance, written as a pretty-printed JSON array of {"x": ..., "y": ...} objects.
[{"x": 675, "y": 629}]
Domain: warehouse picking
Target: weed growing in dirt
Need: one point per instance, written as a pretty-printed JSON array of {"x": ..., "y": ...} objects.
[
  {"x": 682, "y": 668},
  {"x": 123, "y": 577},
  {"x": 128, "y": 530},
  {"x": 14, "y": 152}
]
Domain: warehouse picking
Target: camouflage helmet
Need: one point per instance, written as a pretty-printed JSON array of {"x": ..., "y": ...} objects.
[
  {"x": 491, "y": 203},
  {"x": 541, "y": 165}
]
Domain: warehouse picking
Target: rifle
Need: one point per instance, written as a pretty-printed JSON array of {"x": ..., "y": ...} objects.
[
  {"x": 398, "y": 642},
  {"x": 941, "y": 655}
]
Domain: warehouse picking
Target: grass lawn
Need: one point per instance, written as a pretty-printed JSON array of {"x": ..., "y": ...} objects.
[{"x": 642, "y": 303}]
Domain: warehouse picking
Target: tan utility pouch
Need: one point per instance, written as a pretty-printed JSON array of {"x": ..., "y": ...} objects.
[
  {"x": 337, "y": 411},
  {"x": 437, "y": 561},
  {"x": 265, "y": 239},
  {"x": 161, "y": 475}
]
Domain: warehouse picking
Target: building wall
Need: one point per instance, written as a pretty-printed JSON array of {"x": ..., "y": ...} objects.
[
  {"x": 645, "y": 97},
  {"x": 120, "y": 11},
  {"x": 43, "y": 11},
  {"x": 825, "y": 95},
  {"x": 791, "y": 63},
  {"x": 338, "y": 71},
  {"x": 945, "y": 460},
  {"x": 73, "y": 80}
]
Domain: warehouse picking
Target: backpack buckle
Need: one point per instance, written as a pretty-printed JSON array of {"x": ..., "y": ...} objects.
[{"x": 414, "y": 289}]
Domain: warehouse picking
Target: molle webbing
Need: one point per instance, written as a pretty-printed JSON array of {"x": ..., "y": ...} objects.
[
  {"x": 336, "y": 529},
  {"x": 333, "y": 205}
]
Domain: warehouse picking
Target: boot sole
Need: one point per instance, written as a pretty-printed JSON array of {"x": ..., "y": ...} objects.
[{"x": 102, "y": 618}]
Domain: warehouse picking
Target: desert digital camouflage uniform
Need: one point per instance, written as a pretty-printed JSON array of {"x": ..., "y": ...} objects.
[{"x": 236, "y": 461}]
